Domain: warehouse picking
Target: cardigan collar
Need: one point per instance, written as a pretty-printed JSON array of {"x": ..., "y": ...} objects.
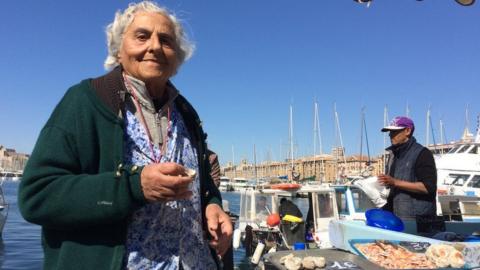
[{"x": 111, "y": 89}]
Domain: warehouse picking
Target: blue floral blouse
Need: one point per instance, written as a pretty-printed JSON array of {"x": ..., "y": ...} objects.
[{"x": 165, "y": 235}]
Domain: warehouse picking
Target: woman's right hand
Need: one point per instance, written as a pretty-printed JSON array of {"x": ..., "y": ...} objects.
[{"x": 165, "y": 182}]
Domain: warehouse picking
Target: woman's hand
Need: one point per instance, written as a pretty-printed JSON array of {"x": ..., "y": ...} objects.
[
  {"x": 220, "y": 228},
  {"x": 165, "y": 182}
]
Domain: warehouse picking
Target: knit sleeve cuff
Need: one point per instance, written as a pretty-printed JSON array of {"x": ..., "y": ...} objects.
[
  {"x": 215, "y": 200},
  {"x": 134, "y": 180}
]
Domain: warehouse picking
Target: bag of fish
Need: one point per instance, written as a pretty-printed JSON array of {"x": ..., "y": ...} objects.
[{"x": 377, "y": 193}]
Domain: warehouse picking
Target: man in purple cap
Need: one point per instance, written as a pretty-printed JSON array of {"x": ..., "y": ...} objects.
[{"x": 410, "y": 173}]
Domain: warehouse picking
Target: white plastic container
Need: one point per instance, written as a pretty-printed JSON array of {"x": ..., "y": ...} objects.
[
  {"x": 236, "y": 238},
  {"x": 258, "y": 253}
]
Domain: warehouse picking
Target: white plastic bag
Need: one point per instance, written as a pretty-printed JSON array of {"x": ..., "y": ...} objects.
[{"x": 377, "y": 193}]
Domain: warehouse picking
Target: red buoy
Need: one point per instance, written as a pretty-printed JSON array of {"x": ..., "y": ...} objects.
[{"x": 273, "y": 220}]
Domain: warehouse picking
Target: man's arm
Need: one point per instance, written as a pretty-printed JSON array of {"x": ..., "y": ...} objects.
[
  {"x": 426, "y": 171},
  {"x": 426, "y": 174},
  {"x": 416, "y": 187}
]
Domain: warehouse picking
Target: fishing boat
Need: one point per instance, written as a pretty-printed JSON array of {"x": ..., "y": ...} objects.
[{"x": 326, "y": 203}]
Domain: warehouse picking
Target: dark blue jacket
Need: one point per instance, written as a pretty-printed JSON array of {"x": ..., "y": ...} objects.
[{"x": 401, "y": 165}]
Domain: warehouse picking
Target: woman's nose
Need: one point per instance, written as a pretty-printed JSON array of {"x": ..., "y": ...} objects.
[{"x": 155, "y": 44}]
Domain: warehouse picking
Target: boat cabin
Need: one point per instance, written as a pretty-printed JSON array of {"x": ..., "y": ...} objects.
[
  {"x": 352, "y": 202},
  {"x": 257, "y": 205}
]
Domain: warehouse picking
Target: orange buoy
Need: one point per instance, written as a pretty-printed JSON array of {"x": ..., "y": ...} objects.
[
  {"x": 273, "y": 220},
  {"x": 287, "y": 186}
]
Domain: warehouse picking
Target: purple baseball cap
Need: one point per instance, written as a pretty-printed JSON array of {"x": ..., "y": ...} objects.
[{"x": 398, "y": 123}]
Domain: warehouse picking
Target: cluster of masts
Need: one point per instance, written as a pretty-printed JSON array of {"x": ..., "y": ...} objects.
[{"x": 339, "y": 154}]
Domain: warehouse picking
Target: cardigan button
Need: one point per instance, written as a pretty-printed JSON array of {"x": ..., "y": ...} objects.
[
  {"x": 134, "y": 168},
  {"x": 118, "y": 174},
  {"x": 120, "y": 166},
  {"x": 206, "y": 194}
]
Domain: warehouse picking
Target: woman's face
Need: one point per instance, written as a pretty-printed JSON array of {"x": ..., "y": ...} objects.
[{"x": 149, "y": 50}]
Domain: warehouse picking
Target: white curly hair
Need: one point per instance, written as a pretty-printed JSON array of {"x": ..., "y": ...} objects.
[{"x": 116, "y": 29}]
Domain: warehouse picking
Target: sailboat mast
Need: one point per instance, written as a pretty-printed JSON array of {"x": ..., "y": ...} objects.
[
  {"x": 366, "y": 138},
  {"x": 291, "y": 138},
  {"x": 255, "y": 164},
  {"x": 339, "y": 132},
  {"x": 314, "y": 140},
  {"x": 322, "y": 164},
  {"x": 442, "y": 139},
  {"x": 477, "y": 135},
  {"x": 233, "y": 163},
  {"x": 385, "y": 121},
  {"x": 340, "y": 135},
  {"x": 362, "y": 118},
  {"x": 336, "y": 139},
  {"x": 427, "y": 136}
]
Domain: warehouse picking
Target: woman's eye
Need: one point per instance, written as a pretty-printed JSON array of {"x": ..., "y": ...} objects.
[
  {"x": 142, "y": 37},
  {"x": 167, "y": 42}
]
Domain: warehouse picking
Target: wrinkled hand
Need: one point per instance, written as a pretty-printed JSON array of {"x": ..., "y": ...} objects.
[
  {"x": 220, "y": 228},
  {"x": 386, "y": 180},
  {"x": 165, "y": 182}
]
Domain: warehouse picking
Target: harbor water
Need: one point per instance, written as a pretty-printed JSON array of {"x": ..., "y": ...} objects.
[{"x": 20, "y": 246}]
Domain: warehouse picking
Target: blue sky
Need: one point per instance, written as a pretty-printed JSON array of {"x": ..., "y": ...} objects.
[{"x": 256, "y": 58}]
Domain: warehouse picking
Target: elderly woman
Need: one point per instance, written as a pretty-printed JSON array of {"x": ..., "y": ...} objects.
[{"x": 119, "y": 177}]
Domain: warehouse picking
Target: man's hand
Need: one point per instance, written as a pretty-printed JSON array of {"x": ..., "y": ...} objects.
[
  {"x": 386, "y": 180},
  {"x": 417, "y": 187},
  {"x": 219, "y": 227},
  {"x": 165, "y": 182}
]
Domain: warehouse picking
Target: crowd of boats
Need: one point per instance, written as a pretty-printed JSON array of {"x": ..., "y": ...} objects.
[
  {"x": 7, "y": 175},
  {"x": 337, "y": 214}
]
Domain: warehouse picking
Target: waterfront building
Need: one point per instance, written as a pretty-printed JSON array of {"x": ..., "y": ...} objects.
[
  {"x": 10, "y": 160},
  {"x": 325, "y": 167}
]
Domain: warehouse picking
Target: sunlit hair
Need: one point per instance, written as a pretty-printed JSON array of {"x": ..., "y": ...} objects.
[{"x": 116, "y": 29}]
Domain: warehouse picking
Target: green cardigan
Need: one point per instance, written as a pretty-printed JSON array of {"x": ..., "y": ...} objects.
[{"x": 75, "y": 185}]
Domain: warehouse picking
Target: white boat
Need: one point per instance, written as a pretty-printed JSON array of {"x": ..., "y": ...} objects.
[
  {"x": 458, "y": 171},
  {"x": 225, "y": 184},
  {"x": 239, "y": 183}
]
